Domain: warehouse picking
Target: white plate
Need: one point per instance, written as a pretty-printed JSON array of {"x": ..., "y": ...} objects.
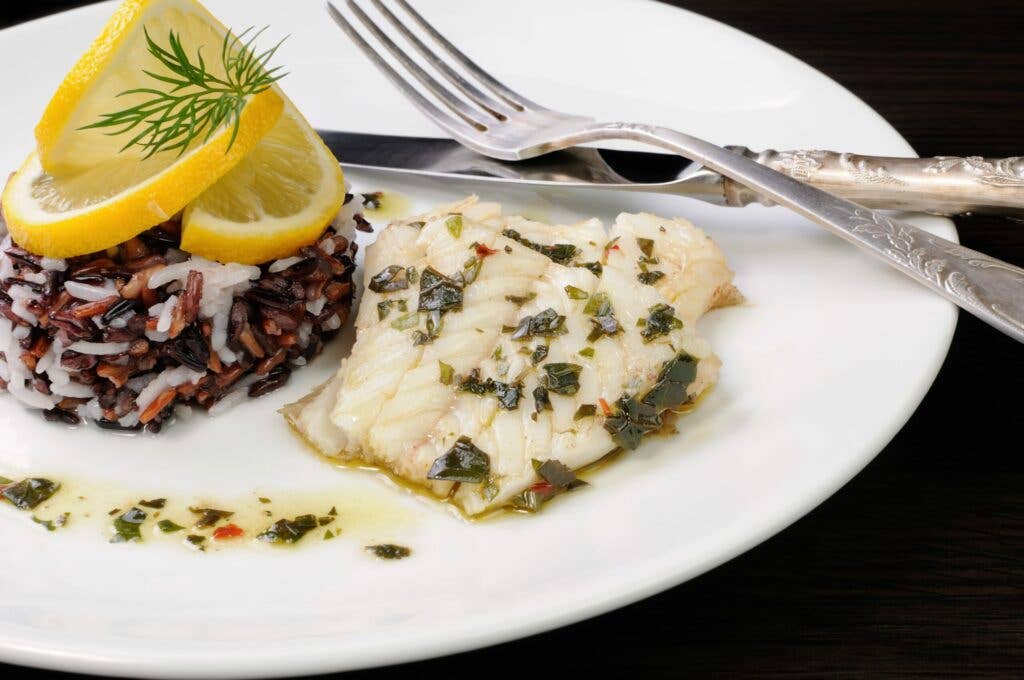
[{"x": 822, "y": 367}]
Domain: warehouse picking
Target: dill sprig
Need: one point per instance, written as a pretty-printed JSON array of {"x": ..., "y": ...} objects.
[{"x": 197, "y": 103}]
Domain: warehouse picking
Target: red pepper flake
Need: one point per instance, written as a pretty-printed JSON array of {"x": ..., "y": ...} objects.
[
  {"x": 608, "y": 247},
  {"x": 605, "y": 409},
  {"x": 483, "y": 251},
  {"x": 543, "y": 487},
  {"x": 227, "y": 531}
]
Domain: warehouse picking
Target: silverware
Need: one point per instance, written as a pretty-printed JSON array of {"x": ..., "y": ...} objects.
[
  {"x": 496, "y": 121},
  {"x": 941, "y": 186}
]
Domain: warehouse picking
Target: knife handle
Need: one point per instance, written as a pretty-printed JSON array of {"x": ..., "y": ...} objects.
[{"x": 944, "y": 185}]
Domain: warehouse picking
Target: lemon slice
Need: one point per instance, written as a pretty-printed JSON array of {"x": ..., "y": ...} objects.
[
  {"x": 115, "y": 200},
  {"x": 81, "y": 192},
  {"x": 280, "y": 197},
  {"x": 114, "y": 64}
]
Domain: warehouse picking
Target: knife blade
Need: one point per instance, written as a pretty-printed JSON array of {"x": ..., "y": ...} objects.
[
  {"x": 938, "y": 185},
  {"x": 428, "y": 155}
]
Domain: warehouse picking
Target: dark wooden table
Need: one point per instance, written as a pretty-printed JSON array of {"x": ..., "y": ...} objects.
[{"x": 916, "y": 567}]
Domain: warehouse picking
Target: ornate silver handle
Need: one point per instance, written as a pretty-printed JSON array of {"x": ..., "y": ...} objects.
[
  {"x": 945, "y": 185},
  {"x": 988, "y": 288}
]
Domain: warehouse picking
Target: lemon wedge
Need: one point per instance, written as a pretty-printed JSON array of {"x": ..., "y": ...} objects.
[
  {"x": 82, "y": 191},
  {"x": 280, "y": 197},
  {"x": 115, "y": 64},
  {"x": 115, "y": 200}
]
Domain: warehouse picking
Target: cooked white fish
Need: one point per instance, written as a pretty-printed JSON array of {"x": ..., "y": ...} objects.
[{"x": 494, "y": 355}]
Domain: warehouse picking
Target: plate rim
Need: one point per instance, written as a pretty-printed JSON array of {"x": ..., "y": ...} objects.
[{"x": 310, "y": 658}]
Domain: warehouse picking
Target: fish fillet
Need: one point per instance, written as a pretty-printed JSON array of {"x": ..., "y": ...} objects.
[{"x": 487, "y": 345}]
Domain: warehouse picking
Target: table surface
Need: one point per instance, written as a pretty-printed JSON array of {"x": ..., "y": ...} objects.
[{"x": 914, "y": 568}]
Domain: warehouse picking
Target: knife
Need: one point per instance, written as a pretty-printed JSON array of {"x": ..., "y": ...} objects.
[{"x": 944, "y": 185}]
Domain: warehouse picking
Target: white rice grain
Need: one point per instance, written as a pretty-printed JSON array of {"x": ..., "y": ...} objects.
[
  {"x": 89, "y": 292},
  {"x": 99, "y": 348}
]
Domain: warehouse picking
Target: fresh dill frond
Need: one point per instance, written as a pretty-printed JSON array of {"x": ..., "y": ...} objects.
[{"x": 193, "y": 102}]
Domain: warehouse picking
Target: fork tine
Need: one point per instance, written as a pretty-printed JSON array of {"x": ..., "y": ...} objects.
[
  {"x": 497, "y": 109},
  {"x": 446, "y": 96},
  {"x": 446, "y": 121},
  {"x": 514, "y": 99}
]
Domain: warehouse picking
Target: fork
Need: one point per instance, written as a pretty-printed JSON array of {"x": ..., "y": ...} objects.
[{"x": 487, "y": 116}]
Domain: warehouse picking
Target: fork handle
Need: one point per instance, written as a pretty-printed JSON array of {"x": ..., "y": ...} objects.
[
  {"x": 990, "y": 289},
  {"x": 944, "y": 185}
]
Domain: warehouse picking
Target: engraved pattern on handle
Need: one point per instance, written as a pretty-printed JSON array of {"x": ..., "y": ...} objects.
[
  {"x": 945, "y": 264},
  {"x": 1005, "y": 172},
  {"x": 990, "y": 289},
  {"x": 944, "y": 185}
]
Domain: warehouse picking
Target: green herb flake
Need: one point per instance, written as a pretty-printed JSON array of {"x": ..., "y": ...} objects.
[
  {"x": 630, "y": 421},
  {"x": 599, "y": 307},
  {"x": 416, "y": 225},
  {"x": 464, "y": 463},
  {"x": 595, "y": 268},
  {"x": 406, "y": 321},
  {"x": 208, "y": 517},
  {"x": 520, "y": 300},
  {"x": 508, "y": 394},
  {"x": 547, "y": 324},
  {"x": 438, "y": 292},
  {"x": 646, "y": 246},
  {"x": 389, "y": 551},
  {"x": 447, "y": 373},
  {"x": 471, "y": 270},
  {"x": 288, "y": 530},
  {"x": 156, "y": 503},
  {"x": 454, "y": 225},
  {"x": 53, "y": 524},
  {"x": 540, "y": 353},
  {"x": 490, "y": 491},
  {"x": 30, "y": 492},
  {"x": 434, "y": 324},
  {"x": 562, "y": 378},
  {"x": 169, "y": 527},
  {"x": 670, "y": 389},
  {"x": 388, "y": 280},
  {"x": 412, "y": 275},
  {"x": 473, "y": 384},
  {"x": 557, "y": 479},
  {"x": 660, "y": 321},
  {"x": 263, "y": 499},
  {"x": 328, "y": 535},
  {"x": 128, "y": 526},
  {"x": 603, "y": 325},
  {"x": 575, "y": 293},
  {"x": 541, "y": 399},
  {"x": 333, "y": 512},
  {"x": 585, "y": 411},
  {"x": 561, "y": 253},
  {"x": 650, "y": 278},
  {"x": 196, "y": 541},
  {"x": 325, "y": 520},
  {"x": 556, "y": 473},
  {"x": 587, "y": 352}
]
